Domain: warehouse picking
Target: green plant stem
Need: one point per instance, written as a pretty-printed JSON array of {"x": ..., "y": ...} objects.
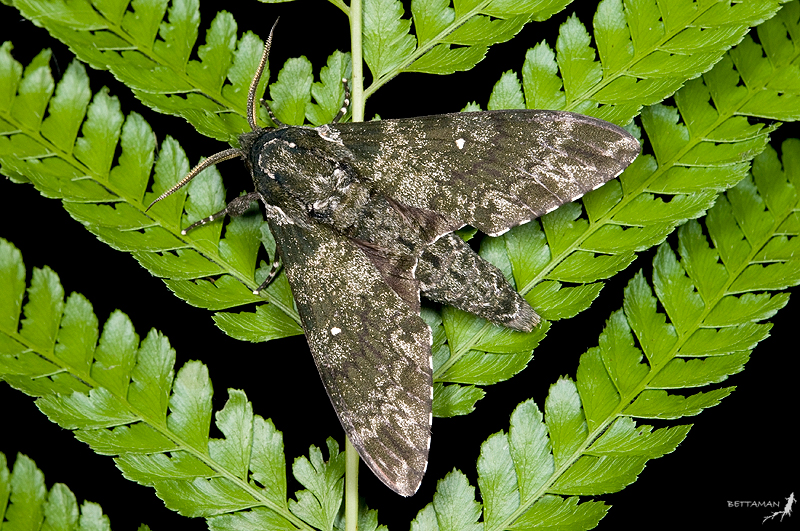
[
  {"x": 357, "y": 109},
  {"x": 341, "y": 5},
  {"x": 357, "y": 90},
  {"x": 350, "y": 486}
]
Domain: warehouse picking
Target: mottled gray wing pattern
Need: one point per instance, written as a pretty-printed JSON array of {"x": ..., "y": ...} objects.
[
  {"x": 492, "y": 170},
  {"x": 372, "y": 351}
]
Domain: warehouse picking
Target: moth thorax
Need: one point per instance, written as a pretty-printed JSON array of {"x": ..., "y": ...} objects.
[{"x": 296, "y": 168}]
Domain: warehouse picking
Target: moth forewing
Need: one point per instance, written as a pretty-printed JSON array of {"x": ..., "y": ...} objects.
[
  {"x": 494, "y": 169},
  {"x": 363, "y": 214}
]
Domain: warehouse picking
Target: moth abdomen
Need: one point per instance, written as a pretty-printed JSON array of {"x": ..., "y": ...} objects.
[{"x": 450, "y": 272}]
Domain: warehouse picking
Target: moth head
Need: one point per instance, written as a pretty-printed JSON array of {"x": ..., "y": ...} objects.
[{"x": 246, "y": 137}]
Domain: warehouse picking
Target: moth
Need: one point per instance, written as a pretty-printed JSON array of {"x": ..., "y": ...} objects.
[{"x": 363, "y": 215}]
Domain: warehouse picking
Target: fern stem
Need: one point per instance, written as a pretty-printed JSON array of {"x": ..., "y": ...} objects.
[
  {"x": 357, "y": 109},
  {"x": 357, "y": 54},
  {"x": 350, "y": 486}
]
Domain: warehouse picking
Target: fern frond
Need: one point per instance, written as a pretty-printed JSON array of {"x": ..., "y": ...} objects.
[
  {"x": 123, "y": 397},
  {"x": 110, "y": 199},
  {"x": 472, "y": 26},
  {"x": 160, "y": 71},
  {"x": 692, "y": 161},
  {"x": 646, "y": 52},
  {"x": 26, "y": 503},
  {"x": 154, "y": 58},
  {"x": 715, "y": 299}
]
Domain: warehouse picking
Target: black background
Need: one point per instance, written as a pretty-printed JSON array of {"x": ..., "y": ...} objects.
[{"x": 741, "y": 450}]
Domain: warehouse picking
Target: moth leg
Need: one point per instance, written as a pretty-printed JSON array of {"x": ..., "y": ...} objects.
[
  {"x": 272, "y": 115},
  {"x": 273, "y": 272},
  {"x": 450, "y": 272},
  {"x": 237, "y": 207},
  {"x": 345, "y": 104}
]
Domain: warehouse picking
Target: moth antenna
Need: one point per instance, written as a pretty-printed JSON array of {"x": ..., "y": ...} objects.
[
  {"x": 210, "y": 161},
  {"x": 251, "y": 96}
]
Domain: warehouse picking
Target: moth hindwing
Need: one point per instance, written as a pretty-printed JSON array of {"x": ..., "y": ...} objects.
[{"x": 363, "y": 215}]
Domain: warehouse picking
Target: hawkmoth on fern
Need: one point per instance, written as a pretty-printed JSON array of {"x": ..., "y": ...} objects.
[{"x": 363, "y": 215}]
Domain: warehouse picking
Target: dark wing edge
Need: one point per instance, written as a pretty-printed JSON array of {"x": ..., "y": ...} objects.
[
  {"x": 372, "y": 350},
  {"x": 492, "y": 170}
]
